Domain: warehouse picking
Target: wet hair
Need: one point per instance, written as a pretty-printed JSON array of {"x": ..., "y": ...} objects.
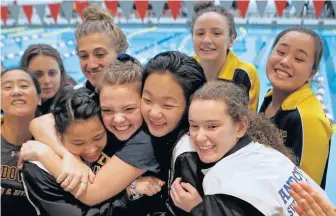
[
  {"x": 98, "y": 20},
  {"x": 43, "y": 50},
  {"x": 318, "y": 45},
  {"x": 124, "y": 70},
  {"x": 260, "y": 127},
  {"x": 206, "y": 7},
  {"x": 183, "y": 68},
  {"x": 74, "y": 105},
  {"x": 33, "y": 78}
]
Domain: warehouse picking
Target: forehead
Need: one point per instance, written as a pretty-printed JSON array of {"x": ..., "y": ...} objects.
[
  {"x": 110, "y": 94},
  {"x": 163, "y": 85},
  {"x": 43, "y": 62},
  {"x": 16, "y": 75},
  {"x": 85, "y": 129},
  {"x": 203, "y": 109},
  {"x": 298, "y": 40},
  {"x": 94, "y": 41},
  {"x": 211, "y": 19},
  {"x": 42, "y": 59}
]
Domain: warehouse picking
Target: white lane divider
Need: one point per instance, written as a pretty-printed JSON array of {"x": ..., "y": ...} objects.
[{"x": 320, "y": 96}]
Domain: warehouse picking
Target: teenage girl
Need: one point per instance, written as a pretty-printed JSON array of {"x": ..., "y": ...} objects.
[
  {"x": 213, "y": 33},
  {"x": 241, "y": 153},
  {"x": 45, "y": 63},
  {"x": 20, "y": 96},
  {"x": 292, "y": 104}
]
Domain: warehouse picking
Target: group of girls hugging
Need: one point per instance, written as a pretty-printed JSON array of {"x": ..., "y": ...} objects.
[{"x": 179, "y": 136}]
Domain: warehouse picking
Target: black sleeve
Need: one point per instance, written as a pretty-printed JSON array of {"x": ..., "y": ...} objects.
[
  {"x": 290, "y": 125},
  {"x": 51, "y": 200},
  {"x": 224, "y": 205},
  {"x": 138, "y": 152},
  {"x": 241, "y": 78},
  {"x": 47, "y": 196},
  {"x": 187, "y": 167}
]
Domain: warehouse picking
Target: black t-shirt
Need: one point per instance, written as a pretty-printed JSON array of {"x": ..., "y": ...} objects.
[
  {"x": 136, "y": 151},
  {"x": 13, "y": 198}
]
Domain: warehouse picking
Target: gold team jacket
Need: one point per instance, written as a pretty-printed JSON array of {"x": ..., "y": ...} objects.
[
  {"x": 241, "y": 73},
  {"x": 305, "y": 129}
]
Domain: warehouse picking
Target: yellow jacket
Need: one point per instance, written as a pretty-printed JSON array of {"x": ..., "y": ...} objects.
[
  {"x": 305, "y": 129},
  {"x": 241, "y": 73}
]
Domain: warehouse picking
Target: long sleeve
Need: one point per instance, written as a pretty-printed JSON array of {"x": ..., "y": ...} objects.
[
  {"x": 49, "y": 199},
  {"x": 224, "y": 205},
  {"x": 187, "y": 168},
  {"x": 314, "y": 145},
  {"x": 246, "y": 75}
]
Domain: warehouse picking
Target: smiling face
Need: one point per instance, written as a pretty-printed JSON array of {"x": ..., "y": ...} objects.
[
  {"x": 290, "y": 64},
  {"x": 48, "y": 73},
  {"x": 163, "y": 103},
  {"x": 211, "y": 36},
  {"x": 212, "y": 130},
  {"x": 96, "y": 53},
  {"x": 85, "y": 138},
  {"x": 18, "y": 94},
  {"x": 120, "y": 106}
]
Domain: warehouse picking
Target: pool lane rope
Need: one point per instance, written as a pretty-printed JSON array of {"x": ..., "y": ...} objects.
[{"x": 320, "y": 96}]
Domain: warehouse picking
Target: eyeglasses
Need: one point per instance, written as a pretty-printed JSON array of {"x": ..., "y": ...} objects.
[{"x": 125, "y": 57}]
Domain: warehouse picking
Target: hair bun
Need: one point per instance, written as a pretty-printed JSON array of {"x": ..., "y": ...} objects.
[
  {"x": 96, "y": 13},
  {"x": 202, "y": 6}
]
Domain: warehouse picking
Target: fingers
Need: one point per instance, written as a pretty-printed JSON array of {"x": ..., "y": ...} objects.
[
  {"x": 189, "y": 188},
  {"x": 298, "y": 210},
  {"x": 177, "y": 191},
  {"x": 326, "y": 206},
  {"x": 184, "y": 195},
  {"x": 149, "y": 185},
  {"x": 175, "y": 197},
  {"x": 20, "y": 162},
  {"x": 178, "y": 180},
  {"x": 178, "y": 188},
  {"x": 307, "y": 206},
  {"x": 298, "y": 200},
  {"x": 317, "y": 197},
  {"x": 74, "y": 183},
  {"x": 151, "y": 189},
  {"x": 67, "y": 180},
  {"x": 296, "y": 187},
  {"x": 312, "y": 203},
  {"x": 25, "y": 152},
  {"x": 160, "y": 183},
  {"x": 91, "y": 177},
  {"x": 82, "y": 188},
  {"x": 156, "y": 187},
  {"x": 306, "y": 187},
  {"x": 62, "y": 177}
]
